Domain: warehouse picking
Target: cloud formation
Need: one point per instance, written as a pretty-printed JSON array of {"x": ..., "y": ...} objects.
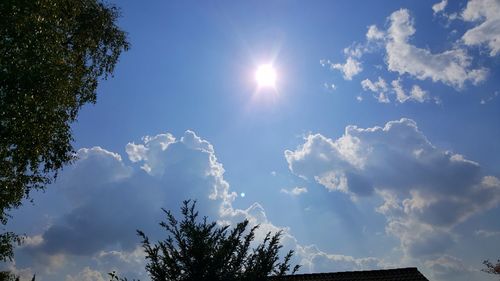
[
  {"x": 487, "y": 14},
  {"x": 426, "y": 191},
  {"x": 416, "y": 93},
  {"x": 349, "y": 69},
  {"x": 294, "y": 191},
  {"x": 379, "y": 87},
  {"x": 87, "y": 274},
  {"x": 439, "y": 7},
  {"x": 449, "y": 267},
  {"x": 383, "y": 92},
  {"x": 110, "y": 198},
  {"x": 451, "y": 67}
]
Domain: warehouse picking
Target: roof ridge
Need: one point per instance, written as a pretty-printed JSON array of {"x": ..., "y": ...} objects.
[
  {"x": 388, "y": 274},
  {"x": 350, "y": 271}
]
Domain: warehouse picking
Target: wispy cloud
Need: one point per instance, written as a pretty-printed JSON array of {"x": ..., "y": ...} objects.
[
  {"x": 486, "y": 233},
  {"x": 294, "y": 191}
]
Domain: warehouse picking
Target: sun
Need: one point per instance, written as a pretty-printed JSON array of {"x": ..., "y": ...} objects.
[{"x": 266, "y": 76}]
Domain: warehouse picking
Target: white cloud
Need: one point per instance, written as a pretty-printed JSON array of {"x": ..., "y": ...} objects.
[
  {"x": 427, "y": 191},
  {"x": 158, "y": 158},
  {"x": 150, "y": 152},
  {"x": 379, "y": 87},
  {"x": 487, "y": 13},
  {"x": 448, "y": 267},
  {"x": 452, "y": 67},
  {"x": 96, "y": 234},
  {"x": 329, "y": 86},
  {"x": 23, "y": 273},
  {"x": 87, "y": 274},
  {"x": 128, "y": 264},
  {"x": 398, "y": 89},
  {"x": 374, "y": 33},
  {"x": 486, "y": 233},
  {"x": 315, "y": 260},
  {"x": 418, "y": 94},
  {"x": 32, "y": 241},
  {"x": 110, "y": 200},
  {"x": 350, "y": 68},
  {"x": 439, "y": 7},
  {"x": 294, "y": 191},
  {"x": 309, "y": 257},
  {"x": 109, "y": 161}
]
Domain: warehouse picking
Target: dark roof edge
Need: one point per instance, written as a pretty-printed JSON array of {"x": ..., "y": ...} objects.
[
  {"x": 413, "y": 269},
  {"x": 368, "y": 270}
]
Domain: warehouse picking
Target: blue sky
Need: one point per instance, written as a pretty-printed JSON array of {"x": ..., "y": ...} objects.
[{"x": 377, "y": 148}]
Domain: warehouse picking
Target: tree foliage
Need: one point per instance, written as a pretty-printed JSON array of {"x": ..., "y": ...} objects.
[
  {"x": 52, "y": 55},
  {"x": 7, "y": 276},
  {"x": 200, "y": 250},
  {"x": 492, "y": 268}
]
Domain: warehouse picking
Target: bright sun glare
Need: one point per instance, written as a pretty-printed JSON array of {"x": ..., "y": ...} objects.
[{"x": 266, "y": 76}]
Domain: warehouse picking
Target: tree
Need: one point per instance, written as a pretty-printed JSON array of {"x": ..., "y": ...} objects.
[
  {"x": 202, "y": 250},
  {"x": 7, "y": 276},
  {"x": 52, "y": 55},
  {"x": 491, "y": 267}
]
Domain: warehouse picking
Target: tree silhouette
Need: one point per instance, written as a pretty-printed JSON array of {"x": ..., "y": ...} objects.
[
  {"x": 200, "y": 250},
  {"x": 7, "y": 276},
  {"x": 52, "y": 55},
  {"x": 492, "y": 268}
]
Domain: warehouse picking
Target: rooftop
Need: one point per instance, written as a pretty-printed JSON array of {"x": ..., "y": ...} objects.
[{"x": 398, "y": 274}]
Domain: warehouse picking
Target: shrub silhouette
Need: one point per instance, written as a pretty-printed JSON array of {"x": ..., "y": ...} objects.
[{"x": 196, "y": 249}]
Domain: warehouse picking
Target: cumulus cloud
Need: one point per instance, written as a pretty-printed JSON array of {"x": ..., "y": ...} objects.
[
  {"x": 32, "y": 241},
  {"x": 416, "y": 94},
  {"x": 110, "y": 199},
  {"x": 383, "y": 92},
  {"x": 310, "y": 257},
  {"x": 439, "y": 7},
  {"x": 106, "y": 166},
  {"x": 487, "y": 14},
  {"x": 427, "y": 191},
  {"x": 401, "y": 96},
  {"x": 150, "y": 152},
  {"x": 374, "y": 33},
  {"x": 349, "y": 69},
  {"x": 451, "y": 67},
  {"x": 379, "y": 87},
  {"x": 315, "y": 260}
]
